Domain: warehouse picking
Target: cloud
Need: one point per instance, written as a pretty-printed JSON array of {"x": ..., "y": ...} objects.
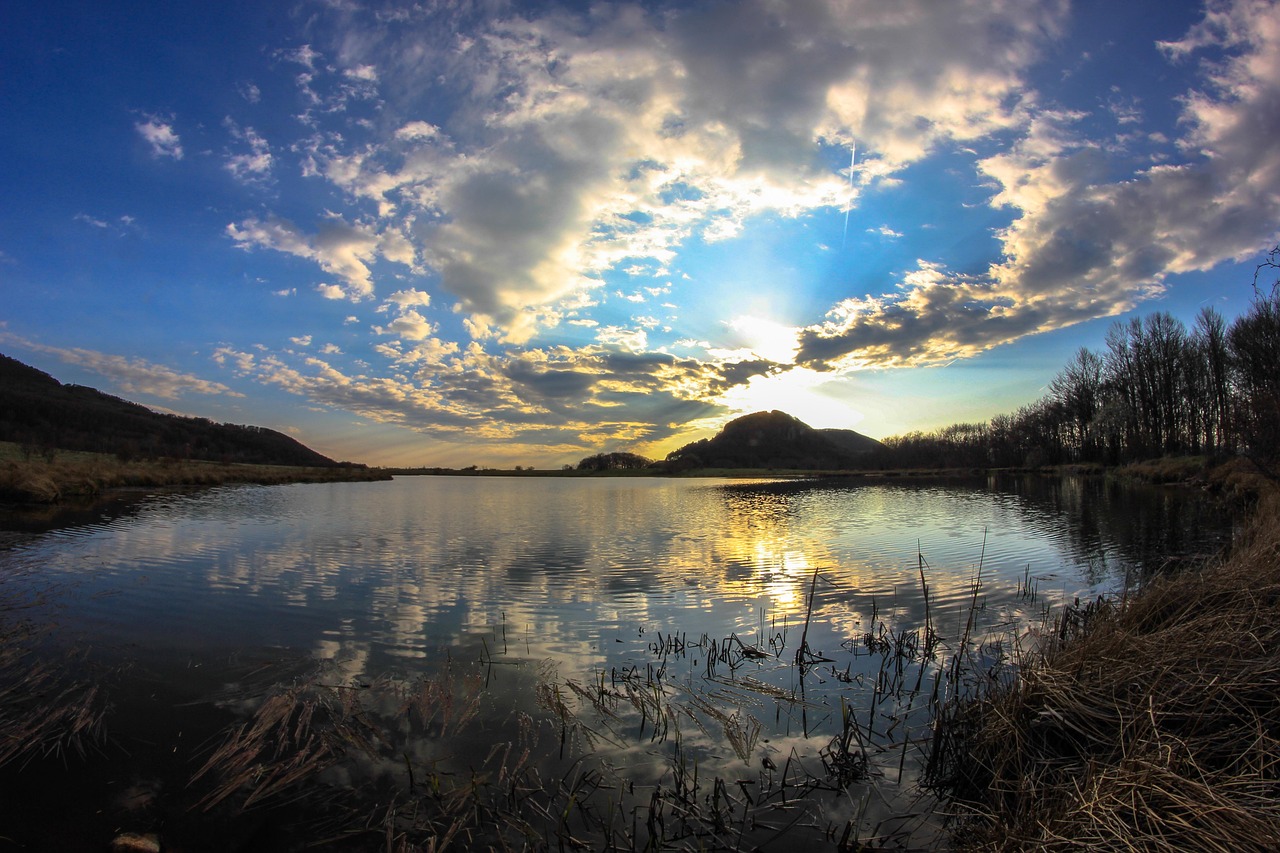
[
  {"x": 407, "y": 298},
  {"x": 553, "y": 396},
  {"x": 341, "y": 249},
  {"x": 518, "y": 162},
  {"x": 129, "y": 375},
  {"x": 409, "y": 326},
  {"x": 635, "y": 340},
  {"x": 1083, "y": 245},
  {"x": 304, "y": 55},
  {"x": 366, "y": 73},
  {"x": 577, "y": 146},
  {"x": 160, "y": 135},
  {"x": 253, "y": 166},
  {"x": 89, "y": 220}
]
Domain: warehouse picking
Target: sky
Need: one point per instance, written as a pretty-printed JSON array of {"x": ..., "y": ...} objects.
[{"x": 481, "y": 232}]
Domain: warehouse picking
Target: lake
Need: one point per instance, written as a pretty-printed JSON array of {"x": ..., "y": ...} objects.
[{"x": 673, "y": 661}]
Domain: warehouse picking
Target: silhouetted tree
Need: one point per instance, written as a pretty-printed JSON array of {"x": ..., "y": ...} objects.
[
  {"x": 1078, "y": 392},
  {"x": 1254, "y": 344}
]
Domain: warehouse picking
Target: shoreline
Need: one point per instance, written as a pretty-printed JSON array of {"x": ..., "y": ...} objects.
[
  {"x": 82, "y": 722},
  {"x": 71, "y": 476}
]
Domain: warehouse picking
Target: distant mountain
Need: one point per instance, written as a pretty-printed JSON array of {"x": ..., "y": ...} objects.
[
  {"x": 40, "y": 412},
  {"x": 774, "y": 440}
]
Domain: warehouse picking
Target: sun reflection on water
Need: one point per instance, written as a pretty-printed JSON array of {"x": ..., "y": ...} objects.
[{"x": 761, "y": 595}]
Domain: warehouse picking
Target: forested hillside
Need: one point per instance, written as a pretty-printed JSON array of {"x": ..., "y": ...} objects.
[{"x": 41, "y": 414}]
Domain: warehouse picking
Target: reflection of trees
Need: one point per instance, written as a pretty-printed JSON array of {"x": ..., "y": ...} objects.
[{"x": 1099, "y": 520}]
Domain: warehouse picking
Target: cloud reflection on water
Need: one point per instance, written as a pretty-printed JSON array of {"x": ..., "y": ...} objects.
[
  {"x": 584, "y": 579},
  {"x": 575, "y": 570}
]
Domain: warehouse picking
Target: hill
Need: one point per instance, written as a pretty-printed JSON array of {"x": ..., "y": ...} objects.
[
  {"x": 774, "y": 440},
  {"x": 39, "y": 412}
]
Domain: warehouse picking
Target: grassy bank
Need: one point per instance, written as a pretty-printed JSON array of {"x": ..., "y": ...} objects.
[
  {"x": 1151, "y": 722},
  {"x": 66, "y": 475}
]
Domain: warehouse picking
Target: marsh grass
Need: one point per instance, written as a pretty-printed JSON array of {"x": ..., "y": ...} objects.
[
  {"x": 49, "y": 707},
  {"x": 671, "y": 753},
  {"x": 1148, "y": 722},
  {"x": 69, "y": 474},
  {"x": 44, "y": 712}
]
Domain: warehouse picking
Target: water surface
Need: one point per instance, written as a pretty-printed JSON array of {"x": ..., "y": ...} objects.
[{"x": 588, "y": 580}]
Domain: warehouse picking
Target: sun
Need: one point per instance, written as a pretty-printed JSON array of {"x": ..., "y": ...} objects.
[
  {"x": 766, "y": 338},
  {"x": 818, "y": 399},
  {"x": 813, "y": 397}
]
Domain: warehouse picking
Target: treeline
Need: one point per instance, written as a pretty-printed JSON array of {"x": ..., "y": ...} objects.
[
  {"x": 618, "y": 461},
  {"x": 43, "y": 416},
  {"x": 1157, "y": 389}
]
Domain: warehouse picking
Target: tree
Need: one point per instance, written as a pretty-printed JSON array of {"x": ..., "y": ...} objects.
[
  {"x": 1078, "y": 391},
  {"x": 1209, "y": 342},
  {"x": 1254, "y": 345}
]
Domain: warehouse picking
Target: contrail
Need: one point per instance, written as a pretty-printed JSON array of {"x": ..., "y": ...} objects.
[{"x": 853, "y": 157}]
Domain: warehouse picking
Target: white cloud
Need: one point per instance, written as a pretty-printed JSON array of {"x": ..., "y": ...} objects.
[
  {"x": 407, "y": 298},
  {"x": 130, "y": 375},
  {"x": 339, "y": 248},
  {"x": 255, "y": 165},
  {"x": 1082, "y": 244},
  {"x": 366, "y": 73},
  {"x": 649, "y": 129},
  {"x": 304, "y": 55},
  {"x": 160, "y": 135},
  {"x": 574, "y": 148},
  {"x": 409, "y": 326},
  {"x": 635, "y": 340},
  {"x": 417, "y": 131}
]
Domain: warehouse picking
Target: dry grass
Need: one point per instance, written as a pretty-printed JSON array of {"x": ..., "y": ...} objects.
[
  {"x": 74, "y": 475},
  {"x": 42, "y": 711},
  {"x": 1168, "y": 469},
  {"x": 45, "y": 708},
  {"x": 293, "y": 737},
  {"x": 1149, "y": 723}
]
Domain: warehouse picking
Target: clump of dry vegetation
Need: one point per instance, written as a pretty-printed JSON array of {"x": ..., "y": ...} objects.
[
  {"x": 45, "y": 709},
  {"x": 1151, "y": 722}
]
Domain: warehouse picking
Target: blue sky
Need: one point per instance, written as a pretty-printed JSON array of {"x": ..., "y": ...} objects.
[{"x": 454, "y": 233}]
